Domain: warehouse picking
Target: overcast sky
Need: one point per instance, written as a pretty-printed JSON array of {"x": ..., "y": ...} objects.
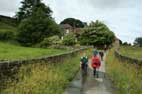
[{"x": 124, "y": 17}]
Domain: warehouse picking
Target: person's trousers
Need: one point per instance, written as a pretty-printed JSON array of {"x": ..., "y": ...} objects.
[
  {"x": 84, "y": 69},
  {"x": 95, "y": 72}
]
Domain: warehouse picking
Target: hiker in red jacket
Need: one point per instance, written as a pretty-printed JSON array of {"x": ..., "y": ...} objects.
[{"x": 95, "y": 62}]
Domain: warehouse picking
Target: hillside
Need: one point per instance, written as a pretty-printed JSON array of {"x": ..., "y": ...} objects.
[
  {"x": 8, "y": 28},
  {"x": 8, "y": 20},
  {"x": 7, "y": 23}
]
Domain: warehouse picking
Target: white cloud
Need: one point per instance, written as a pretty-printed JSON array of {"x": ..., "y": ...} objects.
[{"x": 9, "y": 7}]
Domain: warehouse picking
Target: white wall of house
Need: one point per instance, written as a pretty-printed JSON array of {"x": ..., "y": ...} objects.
[{"x": 67, "y": 31}]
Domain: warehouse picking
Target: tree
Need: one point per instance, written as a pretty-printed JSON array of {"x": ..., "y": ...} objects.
[
  {"x": 36, "y": 27},
  {"x": 126, "y": 44},
  {"x": 27, "y": 8},
  {"x": 138, "y": 41},
  {"x": 98, "y": 35},
  {"x": 120, "y": 42},
  {"x": 74, "y": 22}
]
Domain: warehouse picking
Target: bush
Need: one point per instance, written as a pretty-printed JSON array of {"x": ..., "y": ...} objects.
[
  {"x": 45, "y": 43},
  {"x": 34, "y": 31},
  {"x": 6, "y": 35},
  {"x": 69, "y": 40},
  {"x": 77, "y": 46},
  {"x": 53, "y": 40}
]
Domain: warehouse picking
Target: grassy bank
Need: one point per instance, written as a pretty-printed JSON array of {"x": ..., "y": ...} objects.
[
  {"x": 13, "y": 52},
  {"x": 43, "y": 78},
  {"x": 127, "y": 77},
  {"x": 130, "y": 51}
]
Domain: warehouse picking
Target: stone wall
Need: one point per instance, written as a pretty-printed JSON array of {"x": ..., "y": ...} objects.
[
  {"x": 9, "y": 68},
  {"x": 128, "y": 59}
]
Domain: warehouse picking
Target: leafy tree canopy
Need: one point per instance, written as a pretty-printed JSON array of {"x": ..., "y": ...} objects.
[
  {"x": 74, "y": 22},
  {"x": 29, "y": 6},
  {"x": 98, "y": 35}
]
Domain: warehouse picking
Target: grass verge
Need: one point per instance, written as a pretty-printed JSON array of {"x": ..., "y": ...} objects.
[{"x": 127, "y": 77}]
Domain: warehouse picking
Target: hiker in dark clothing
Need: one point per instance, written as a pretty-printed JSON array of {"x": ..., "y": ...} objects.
[
  {"x": 83, "y": 64},
  {"x": 101, "y": 54}
]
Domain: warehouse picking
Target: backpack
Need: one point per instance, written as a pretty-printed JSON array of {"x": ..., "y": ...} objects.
[
  {"x": 96, "y": 62},
  {"x": 84, "y": 60}
]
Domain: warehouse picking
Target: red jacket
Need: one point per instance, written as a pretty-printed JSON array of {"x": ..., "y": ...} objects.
[{"x": 95, "y": 62}]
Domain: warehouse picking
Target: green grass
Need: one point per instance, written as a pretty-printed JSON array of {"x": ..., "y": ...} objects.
[
  {"x": 126, "y": 76},
  {"x": 135, "y": 52},
  {"x": 13, "y": 52},
  {"x": 44, "y": 78},
  {"x": 7, "y": 31}
]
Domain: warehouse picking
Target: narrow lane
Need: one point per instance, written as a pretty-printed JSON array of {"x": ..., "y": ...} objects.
[{"x": 90, "y": 84}]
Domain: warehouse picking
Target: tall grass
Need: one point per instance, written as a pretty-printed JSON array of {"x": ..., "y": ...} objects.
[
  {"x": 127, "y": 77},
  {"x": 43, "y": 78}
]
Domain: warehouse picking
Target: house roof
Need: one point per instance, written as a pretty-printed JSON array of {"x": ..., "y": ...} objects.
[{"x": 66, "y": 26}]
